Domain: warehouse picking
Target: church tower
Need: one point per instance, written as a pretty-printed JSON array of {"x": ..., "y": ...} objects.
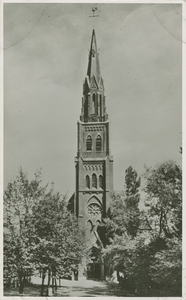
[{"x": 93, "y": 163}]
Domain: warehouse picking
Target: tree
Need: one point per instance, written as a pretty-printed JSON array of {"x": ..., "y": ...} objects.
[
  {"x": 124, "y": 215},
  {"x": 164, "y": 198},
  {"x": 59, "y": 239},
  {"x": 19, "y": 198},
  {"x": 132, "y": 181},
  {"x": 131, "y": 257},
  {"x": 122, "y": 225},
  {"x": 164, "y": 213},
  {"x": 39, "y": 232},
  {"x": 166, "y": 268},
  {"x": 132, "y": 185},
  {"x": 151, "y": 256}
]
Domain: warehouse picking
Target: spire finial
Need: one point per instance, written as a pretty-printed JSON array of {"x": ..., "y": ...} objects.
[{"x": 94, "y": 8}]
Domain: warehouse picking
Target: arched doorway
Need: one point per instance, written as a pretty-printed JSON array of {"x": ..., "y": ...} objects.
[{"x": 95, "y": 268}]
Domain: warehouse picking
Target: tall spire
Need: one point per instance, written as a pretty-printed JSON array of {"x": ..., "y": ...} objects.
[
  {"x": 93, "y": 101},
  {"x": 93, "y": 63}
]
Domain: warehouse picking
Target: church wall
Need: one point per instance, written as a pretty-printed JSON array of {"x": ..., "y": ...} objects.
[{"x": 94, "y": 130}]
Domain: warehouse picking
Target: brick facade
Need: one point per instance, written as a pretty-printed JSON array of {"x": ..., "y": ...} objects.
[{"x": 93, "y": 163}]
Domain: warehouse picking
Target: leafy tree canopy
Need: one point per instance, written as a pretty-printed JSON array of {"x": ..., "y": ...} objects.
[
  {"x": 151, "y": 254},
  {"x": 132, "y": 181},
  {"x": 164, "y": 198},
  {"x": 39, "y": 231}
]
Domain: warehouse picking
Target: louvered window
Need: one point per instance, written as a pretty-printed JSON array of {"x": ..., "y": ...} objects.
[
  {"x": 98, "y": 143},
  {"x": 94, "y": 181},
  {"x": 100, "y": 181},
  {"x": 87, "y": 181},
  {"x": 89, "y": 143}
]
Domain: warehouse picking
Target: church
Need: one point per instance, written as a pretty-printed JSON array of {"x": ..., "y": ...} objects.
[{"x": 93, "y": 163}]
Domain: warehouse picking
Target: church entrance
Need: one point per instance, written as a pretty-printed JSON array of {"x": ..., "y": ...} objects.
[
  {"x": 95, "y": 268},
  {"x": 95, "y": 271}
]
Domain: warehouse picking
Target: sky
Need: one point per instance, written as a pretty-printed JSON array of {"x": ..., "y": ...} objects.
[{"x": 45, "y": 62}]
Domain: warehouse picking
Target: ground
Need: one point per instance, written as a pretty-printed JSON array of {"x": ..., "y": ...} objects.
[{"x": 80, "y": 288}]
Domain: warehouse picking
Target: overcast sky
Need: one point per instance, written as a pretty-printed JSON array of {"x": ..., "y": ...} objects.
[{"x": 45, "y": 63}]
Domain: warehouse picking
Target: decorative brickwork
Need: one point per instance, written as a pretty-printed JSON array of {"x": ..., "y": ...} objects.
[{"x": 93, "y": 128}]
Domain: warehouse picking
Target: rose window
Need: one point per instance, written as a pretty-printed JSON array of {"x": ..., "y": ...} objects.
[{"x": 94, "y": 210}]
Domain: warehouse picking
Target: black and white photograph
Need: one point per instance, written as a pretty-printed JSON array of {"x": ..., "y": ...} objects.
[{"x": 92, "y": 159}]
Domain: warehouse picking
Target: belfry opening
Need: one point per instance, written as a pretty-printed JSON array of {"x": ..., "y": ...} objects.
[{"x": 93, "y": 163}]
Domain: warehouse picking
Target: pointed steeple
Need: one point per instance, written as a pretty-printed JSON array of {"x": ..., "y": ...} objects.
[
  {"x": 93, "y": 101},
  {"x": 93, "y": 62}
]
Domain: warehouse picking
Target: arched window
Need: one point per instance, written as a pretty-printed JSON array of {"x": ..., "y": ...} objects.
[
  {"x": 100, "y": 98},
  {"x": 94, "y": 103},
  {"x": 100, "y": 181},
  {"x": 98, "y": 143},
  {"x": 94, "y": 181},
  {"x": 87, "y": 181},
  {"x": 94, "y": 98},
  {"x": 89, "y": 143}
]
